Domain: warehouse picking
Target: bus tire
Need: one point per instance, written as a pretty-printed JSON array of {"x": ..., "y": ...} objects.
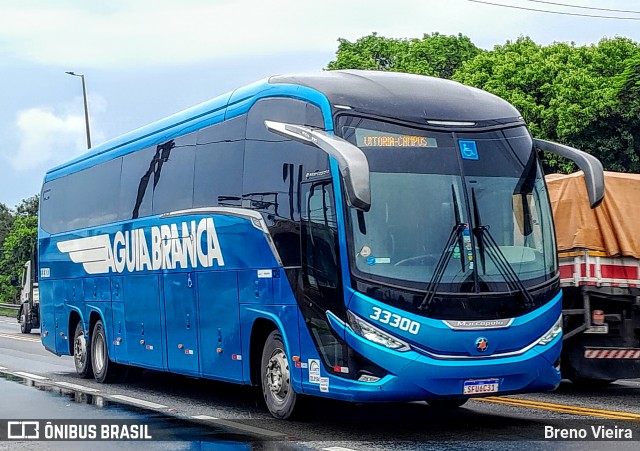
[
  {"x": 104, "y": 370},
  {"x": 446, "y": 403},
  {"x": 82, "y": 353},
  {"x": 25, "y": 326},
  {"x": 282, "y": 401}
]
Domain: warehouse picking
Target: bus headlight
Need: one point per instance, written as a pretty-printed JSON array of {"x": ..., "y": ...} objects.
[
  {"x": 552, "y": 333},
  {"x": 372, "y": 333}
]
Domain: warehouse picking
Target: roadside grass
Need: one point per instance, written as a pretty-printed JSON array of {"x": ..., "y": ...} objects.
[{"x": 8, "y": 312}]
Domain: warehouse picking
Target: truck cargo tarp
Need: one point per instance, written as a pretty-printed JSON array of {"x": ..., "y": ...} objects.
[{"x": 613, "y": 227}]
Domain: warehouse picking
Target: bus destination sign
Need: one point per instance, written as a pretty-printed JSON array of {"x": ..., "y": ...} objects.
[{"x": 376, "y": 139}]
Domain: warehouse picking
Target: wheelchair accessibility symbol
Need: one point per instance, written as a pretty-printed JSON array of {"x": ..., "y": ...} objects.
[{"x": 468, "y": 150}]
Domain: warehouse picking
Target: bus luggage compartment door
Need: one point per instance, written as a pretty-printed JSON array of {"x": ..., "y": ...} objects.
[
  {"x": 143, "y": 321},
  {"x": 221, "y": 351},
  {"x": 180, "y": 308}
]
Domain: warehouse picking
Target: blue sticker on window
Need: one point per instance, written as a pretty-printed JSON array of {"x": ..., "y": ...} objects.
[{"x": 468, "y": 150}]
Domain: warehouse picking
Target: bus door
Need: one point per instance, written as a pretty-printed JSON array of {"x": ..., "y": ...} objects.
[
  {"x": 322, "y": 286},
  {"x": 180, "y": 306}
]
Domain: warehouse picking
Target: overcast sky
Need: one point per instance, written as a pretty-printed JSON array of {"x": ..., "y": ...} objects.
[{"x": 146, "y": 59}]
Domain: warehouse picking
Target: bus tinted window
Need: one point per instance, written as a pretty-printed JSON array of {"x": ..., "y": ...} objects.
[
  {"x": 173, "y": 175},
  {"x": 275, "y": 166},
  {"x": 136, "y": 189},
  {"x": 219, "y": 160},
  {"x": 86, "y": 198}
]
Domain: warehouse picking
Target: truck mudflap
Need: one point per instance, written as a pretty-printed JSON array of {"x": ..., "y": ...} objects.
[{"x": 606, "y": 364}]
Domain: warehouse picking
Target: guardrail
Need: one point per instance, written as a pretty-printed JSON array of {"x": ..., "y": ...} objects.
[{"x": 10, "y": 306}]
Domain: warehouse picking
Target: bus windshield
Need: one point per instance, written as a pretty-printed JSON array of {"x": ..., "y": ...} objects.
[{"x": 467, "y": 212}]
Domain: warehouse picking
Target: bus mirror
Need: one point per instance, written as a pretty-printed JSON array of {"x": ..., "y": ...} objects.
[
  {"x": 590, "y": 165},
  {"x": 352, "y": 162}
]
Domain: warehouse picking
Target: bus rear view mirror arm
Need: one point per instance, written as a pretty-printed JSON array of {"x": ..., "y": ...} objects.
[
  {"x": 353, "y": 164},
  {"x": 590, "y": 165}
]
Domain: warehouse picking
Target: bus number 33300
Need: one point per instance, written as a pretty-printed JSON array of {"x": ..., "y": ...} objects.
[{"x": 394, "y": 320}]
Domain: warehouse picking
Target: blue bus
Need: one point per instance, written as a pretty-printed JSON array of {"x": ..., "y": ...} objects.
[{"x": 364, "y": 236}]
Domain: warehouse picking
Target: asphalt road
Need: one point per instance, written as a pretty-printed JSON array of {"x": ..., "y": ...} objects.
[{"x": 515, "y": 422}]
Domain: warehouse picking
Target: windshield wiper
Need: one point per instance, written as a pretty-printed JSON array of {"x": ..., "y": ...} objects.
[
  {"x": 501, "y": 262},
  {"x": 455, "y": 239}
]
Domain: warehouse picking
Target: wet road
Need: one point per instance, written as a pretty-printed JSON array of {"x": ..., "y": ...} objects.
[{"x": 516, "y": 422}]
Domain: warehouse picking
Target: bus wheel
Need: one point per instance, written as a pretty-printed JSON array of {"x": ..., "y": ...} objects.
[
  {"x": 104, "y": 370},
  {"x": 446, "y": 403},
  {"x": 81, "y": 353},
  {"x": 25, "y": 327},
  {"x": 278, "y": 393}
]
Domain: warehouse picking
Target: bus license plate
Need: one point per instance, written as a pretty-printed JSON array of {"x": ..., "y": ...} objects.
[{"x": 476, "y": 387}]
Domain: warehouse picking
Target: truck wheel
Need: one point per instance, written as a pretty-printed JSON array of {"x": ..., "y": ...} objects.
[
  {"x": 81, "y": 353},
  {"x": 282, "y": 401},
  {"x": 25, "y": 327},
  {"x": 104, "y": 370},
  {"x": 446, "y": 403}
]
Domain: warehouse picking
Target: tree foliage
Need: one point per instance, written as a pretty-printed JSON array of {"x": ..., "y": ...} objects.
[
  {"x": 18, "y": 243},
  {"x": 435, "y": 54},
  {"x": 584, "y": 96}
]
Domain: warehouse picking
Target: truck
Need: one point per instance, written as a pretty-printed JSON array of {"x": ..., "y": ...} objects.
[
  {"x": 599, "y": 261},
  {"x": 29, "y": 311}
]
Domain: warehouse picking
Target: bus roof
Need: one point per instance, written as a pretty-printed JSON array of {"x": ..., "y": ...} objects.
[
  {"x": 408, "y": 97},
  {"x": 413, "y": 98}
]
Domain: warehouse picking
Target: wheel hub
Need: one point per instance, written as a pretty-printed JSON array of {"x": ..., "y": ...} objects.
[
  {"x": 80, "y": 349},
  {"x": 278, "y": 377}
]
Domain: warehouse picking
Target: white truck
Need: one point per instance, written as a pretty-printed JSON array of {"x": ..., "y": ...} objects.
[
  {"x": 29, "y": 311},
  {"x": 599, "y": 258}
]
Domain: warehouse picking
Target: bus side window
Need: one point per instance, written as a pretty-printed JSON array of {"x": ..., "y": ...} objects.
[
  {"x": 219, "y": 161},
  {"x": 173, "y": 166},
  {"x": 320, "y": 236}
]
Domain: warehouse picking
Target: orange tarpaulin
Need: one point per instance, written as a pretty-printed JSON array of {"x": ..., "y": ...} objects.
[{"x": 613, "y": 227}]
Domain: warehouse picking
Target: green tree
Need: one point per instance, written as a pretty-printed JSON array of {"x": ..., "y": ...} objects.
[
  {"x": 434, "y": 54},
  {"x": 6, "y": 220},
  {"x": 17, "y": 243},
  {"x": 29, "y": 206}
]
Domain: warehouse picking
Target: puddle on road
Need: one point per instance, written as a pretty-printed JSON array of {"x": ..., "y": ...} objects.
[{"x": 166, "y": 427}]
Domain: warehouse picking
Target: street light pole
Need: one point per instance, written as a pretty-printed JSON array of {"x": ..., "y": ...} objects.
[{"x": 86, "y": 109}]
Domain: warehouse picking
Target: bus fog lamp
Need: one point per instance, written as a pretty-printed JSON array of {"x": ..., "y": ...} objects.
[
  {"x": 372, "y": 333},
  {"x": 368, "y": 378},
  {"x": 552, "y": 333}
]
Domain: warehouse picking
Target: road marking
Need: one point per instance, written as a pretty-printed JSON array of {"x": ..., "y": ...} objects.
[
  {"x": 204, "y": 417},
  {"x": 337, "y": 448},
  {"x": 31, "y": 376},
  {"x": 19, "y": 337},
  {"x": 240, "y": 426},
  {"x": 77, "y": 387},
  {"x": 140, "y": 402},
  {"x": 562, "y": 408}
]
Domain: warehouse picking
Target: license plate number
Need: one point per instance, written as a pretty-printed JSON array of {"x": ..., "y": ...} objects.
[
  {"x": 476, "y": 387},
  {"x": 604, "y": 329}
]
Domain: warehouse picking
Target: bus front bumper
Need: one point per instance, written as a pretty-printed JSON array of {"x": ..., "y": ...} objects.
[{"x": 414, "y": 376}]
